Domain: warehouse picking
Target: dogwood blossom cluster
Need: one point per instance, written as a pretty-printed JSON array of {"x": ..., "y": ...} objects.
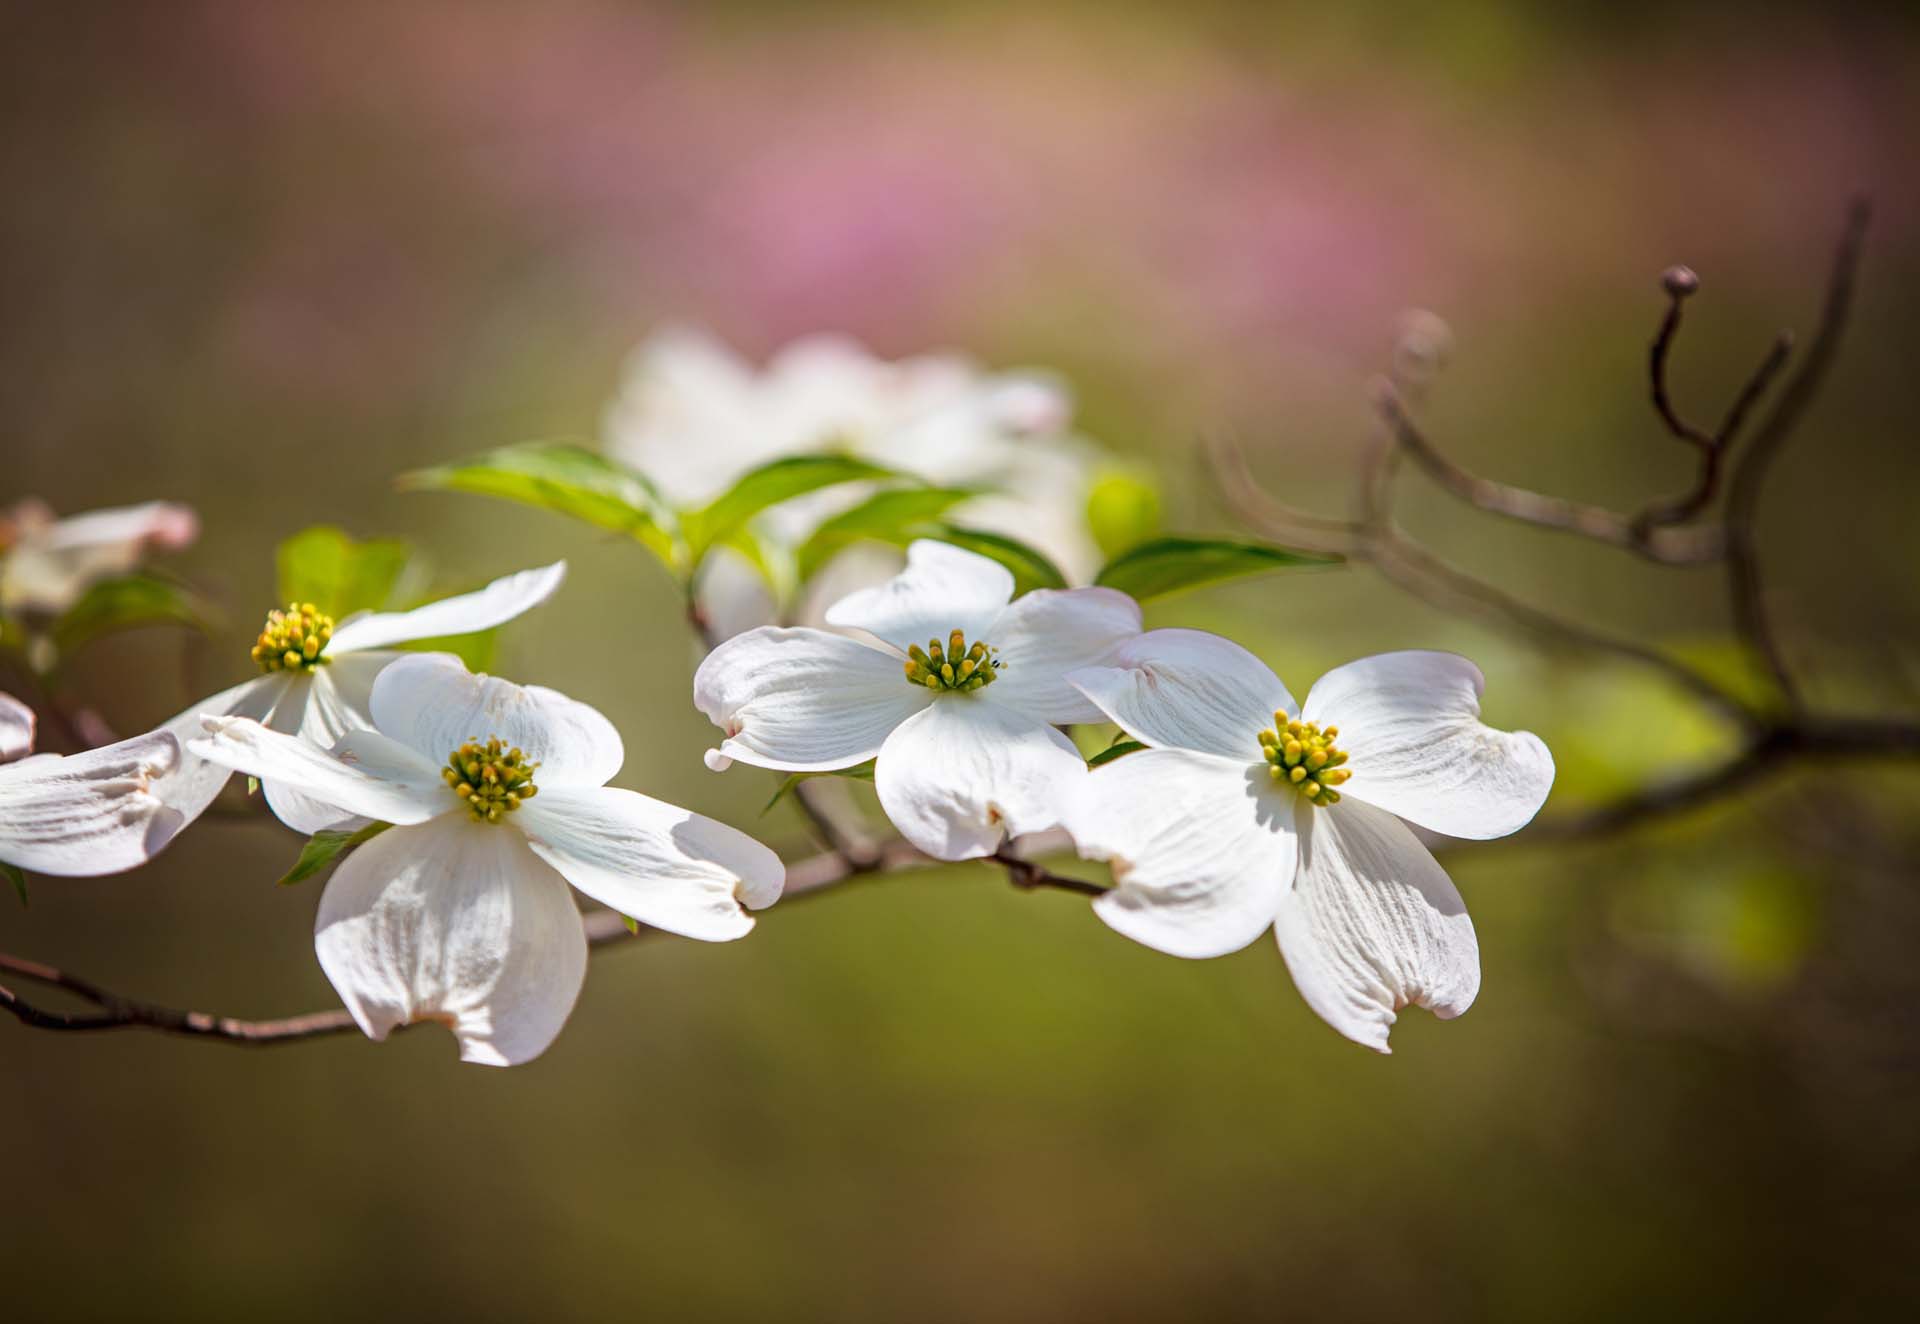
[
  {"x": 470, "y": 809},
  {"x": 1245, "y": 812},
  {"x": 456, "y": 907}
]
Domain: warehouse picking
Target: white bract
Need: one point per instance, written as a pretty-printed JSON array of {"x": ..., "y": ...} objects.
[
  {"x": 317, "y": 680},
  {"x": 460, "y": 912},
  {"x": 693, "y": 416},
  {"x": 47, "y": 563},
  {"x": 86, "y": 814},
  {"x": 1249, "y": 811},
  {"x": 957, "y": 700}
]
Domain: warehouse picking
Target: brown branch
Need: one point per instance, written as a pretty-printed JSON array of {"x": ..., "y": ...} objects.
[
  {"x": 1777, "y": 750},
  {"x": 604, "y": 928},
  {"x": 1770, "y": 743},
  {"x": 1750, "y": 617},
  {"x": 1667, "y": 547},
  {"x": 1377, "y": 540}
]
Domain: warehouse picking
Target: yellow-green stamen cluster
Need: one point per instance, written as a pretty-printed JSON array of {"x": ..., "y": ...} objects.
[
  {"x": 293, "y": 640},
  {"x": 1301, "y": 755},
  {"x": 490, "y": 777},
  {"x": 954, "y": 667}
]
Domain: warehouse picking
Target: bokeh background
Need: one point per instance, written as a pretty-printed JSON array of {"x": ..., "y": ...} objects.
[{"x": 260, "y": 259}]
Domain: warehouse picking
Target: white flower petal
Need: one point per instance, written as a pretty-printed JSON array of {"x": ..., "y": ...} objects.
[
  {"x": 942, "y": 589},
  {"x": 457, "y": 922},
  {"x": 802, "y": 700},
  {"x": 654, "y": 862},
  {"x": 1050, "y": 632},
  {"x": 959, "y": 775},
  {"x": 91, "y": 813},
  {"x": 1373, "y": 924},
  {"x": 433, "y": 703},
  {"x": 337, "y": 699},
  {"x": 192, "y": 786},
  {"x": 367, "y": 774},
  {"x": 16, "y": 729},
  {"x": 496, "y": 604},
  {"x": 1202, "y": 848},
  {"x": 1187, "y": 689},
  {"x": 1411, "y": 722}
]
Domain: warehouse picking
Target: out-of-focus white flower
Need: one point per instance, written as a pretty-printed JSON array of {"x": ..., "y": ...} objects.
[
  {"x": 86, "y": 814},
  {"x": 962, "y": 728},
  {"x": 693, "y": 416},
  {"x": 47, "y": 563},
  {"x": 1248, "y": 811},
  {"x": 460, "y": 913},
  {"x": 317, "y": 680}
]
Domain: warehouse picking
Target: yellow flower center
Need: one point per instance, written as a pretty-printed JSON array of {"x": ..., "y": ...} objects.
[
  {"x": 954, "y": 667},
  {"x": 1301, "y": 755},
  {"x": 490, "y": 778},
  {"x": 294, "y": 639}
]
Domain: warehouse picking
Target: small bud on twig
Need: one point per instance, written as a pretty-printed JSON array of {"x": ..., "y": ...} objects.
[{"x": 1679, "y": 281}]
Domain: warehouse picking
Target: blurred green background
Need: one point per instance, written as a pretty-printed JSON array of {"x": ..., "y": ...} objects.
[{"x": 260, "y": 259}]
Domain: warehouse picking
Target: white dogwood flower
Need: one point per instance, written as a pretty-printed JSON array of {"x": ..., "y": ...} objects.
[
  {"x": 1248, "y": 811},
  {"x": 47, "y": 563},
  {"x": 962, "y": 725},
  {"x": 694, "y": 417},
  {"x": 460, "y": 912},
  {"x": 85, "y": 814},
  {"x": 317, "y": 679}
]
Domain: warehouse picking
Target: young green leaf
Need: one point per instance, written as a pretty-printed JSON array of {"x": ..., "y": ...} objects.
[
  {"x": 324, "y": 847},
  {"x": 896, "y": 516},
  {"x": 1118, "y": 749},
  {"x": 1167, "y": 565},
  {"x": 769, "y": 485},
  {"x": 126, "y": 603},
  {"x": 567, "y": 479},
  {"x": 338, "y": 573},
  {"x": 17, "y": 878}
]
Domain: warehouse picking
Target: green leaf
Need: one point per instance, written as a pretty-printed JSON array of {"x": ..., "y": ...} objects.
[
  {"x": 862, "y": 772},
  {"x": 18, "y": 879},
  {"x": 1123, "y": 511},
  {"x": 323, "y": 848},
  {"x": 567, "y": 479},
  {"x": 1118, "y": 749},
  {"x": 895, "y": 516},
  {"x": 769, "y": 485},
  {"x": 1167, "y": 565},
  {"x": 125, "y": 603},
  {"x": 1031, "y": 569},
  {"x": 338, "y": 573}
]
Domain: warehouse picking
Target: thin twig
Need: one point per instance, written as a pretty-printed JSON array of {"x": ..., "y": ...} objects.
[
  {"x": 1680, "y": 284},
  {"x": 1750, "y": 617}
]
